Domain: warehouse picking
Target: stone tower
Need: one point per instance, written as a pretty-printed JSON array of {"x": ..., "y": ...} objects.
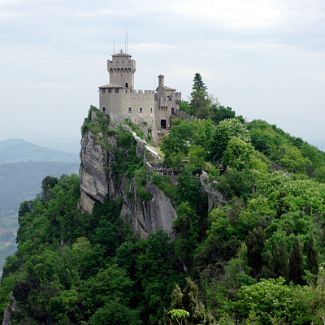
[{"x": 121, "y": 70}]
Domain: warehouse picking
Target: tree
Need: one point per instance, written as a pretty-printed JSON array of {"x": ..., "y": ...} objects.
[
  {"x": 47, "y": 184},
  {"x": 271, "y": 301},
  {"x": 312, "y": 255},
  {"x": 223, "y": 133},
  {"x": 296, "y": 269},
  {"x": 277, "y": 255},
  {"x": 185, "y": 106},
  {"x": 179, "y": 315},
  {"x": 200, "y": 102},
  {"x": 219, "y": 113},
  {"x": 186, "y": 304},
  {"x": 238, "y": 154},
  {"x": 255, "y": 245}
]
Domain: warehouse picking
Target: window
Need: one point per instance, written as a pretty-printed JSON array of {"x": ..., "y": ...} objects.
[
  {"x": 173, "y": 110},
  {"x": 126, "y": 85},
  {"x": 104, "y": 109},
  {"x": 140, "y": 110},
  {"x": 116, "y": 90},
  {"x": 130, "y": 109},
  {"x": 150, "y": 109},
  {"x": 103, "y": 90},
  {"x": 163, "y": 124}
]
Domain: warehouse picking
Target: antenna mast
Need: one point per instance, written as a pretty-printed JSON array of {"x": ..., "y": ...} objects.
[{"x": 127, "y": 41}]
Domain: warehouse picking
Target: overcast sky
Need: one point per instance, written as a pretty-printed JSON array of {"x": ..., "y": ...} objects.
[{"x": 264, "y": 58}]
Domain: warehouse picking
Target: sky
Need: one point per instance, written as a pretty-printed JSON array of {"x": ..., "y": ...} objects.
[{"x": 263, "y": 58}]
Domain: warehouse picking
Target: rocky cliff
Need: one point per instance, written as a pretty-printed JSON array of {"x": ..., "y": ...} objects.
[{"x": 112, "y": 164}]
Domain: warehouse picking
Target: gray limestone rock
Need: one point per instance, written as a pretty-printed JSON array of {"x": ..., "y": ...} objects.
[{"x": 97, "y": 181}]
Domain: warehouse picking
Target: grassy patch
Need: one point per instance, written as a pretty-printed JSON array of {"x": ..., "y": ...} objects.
[{"x": 165, "y": 184}]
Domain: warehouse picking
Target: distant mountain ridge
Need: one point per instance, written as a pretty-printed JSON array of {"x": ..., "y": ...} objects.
[{"x": 17, "y": 150}]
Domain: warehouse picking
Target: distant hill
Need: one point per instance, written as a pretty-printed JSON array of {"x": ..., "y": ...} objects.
[
  {"x": 17, "y": 150},
  {"x": 23, "y": 166},
  {"x": 22, "y": 181}
]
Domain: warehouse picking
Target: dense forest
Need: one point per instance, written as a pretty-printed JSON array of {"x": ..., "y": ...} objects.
[{"x": 256, "y": 258}]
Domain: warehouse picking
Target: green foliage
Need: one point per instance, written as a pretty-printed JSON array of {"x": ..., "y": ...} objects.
[
  {"x": 179, "y": 315},
  {"x": 312, "y": 255},
  {"x": 271, "y": 302},
  {"x": 223, "y": 133},
  {"x": 200, "y": 102},
  {"x": 255, "y": 245},
  {"x": 185, "y": 106},
  {"x": 141, "y": 178},
  {"x": 135, "y": 128},
  {"x": 290, "y": 153},
  {"x": 165, "y": 184},
  {"x": 219, "y": 113},
  {"x": 249, "y": 231},
  {"x": 188, "y": 141},
  {"x": 238, "y": 154},
  {"x": 237, "y": 183},
  {"x": 296, "y": 263},
  {"x": 126, "y": 159},
  {"x": 188, "y": 305},
  {"x": 97, "y": 122}
]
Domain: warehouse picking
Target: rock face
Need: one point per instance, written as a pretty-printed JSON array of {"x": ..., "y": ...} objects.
[
  {"x": 10, "y": 308},
  {"x": 149, "y": 216},
  {"x": 215, "y": 198},
  {"x": 97, "y": 181},
  {"x": 93, "y": 180}
]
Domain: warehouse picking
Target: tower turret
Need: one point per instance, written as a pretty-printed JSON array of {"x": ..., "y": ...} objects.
[
  {"x": 121, "y": 70},
  {"x": 161, "y": 80}
]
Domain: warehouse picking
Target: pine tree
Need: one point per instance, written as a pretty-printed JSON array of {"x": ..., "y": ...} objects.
[
  {"x": 279, "y": 261},
  {"x": 200, "y": 102},
  {"x": 255, "y": 244},
  {"x": 191, "y": 302},
  {"x": 296, "y": 263},
  {"x": 312, "y": 255},
  {"x": 177, "y": 298}
]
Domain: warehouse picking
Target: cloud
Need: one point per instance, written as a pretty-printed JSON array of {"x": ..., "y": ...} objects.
[{"x": 232, "y": 13}]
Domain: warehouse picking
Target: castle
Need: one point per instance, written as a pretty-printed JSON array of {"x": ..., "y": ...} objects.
[{"x": 151, "y": 110}]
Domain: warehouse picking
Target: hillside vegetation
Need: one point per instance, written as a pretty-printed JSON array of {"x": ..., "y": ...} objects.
[{"x": 255, "y": 258}]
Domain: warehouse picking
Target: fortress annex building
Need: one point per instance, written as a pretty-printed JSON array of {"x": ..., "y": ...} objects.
[{"x": 150, "y": 109}]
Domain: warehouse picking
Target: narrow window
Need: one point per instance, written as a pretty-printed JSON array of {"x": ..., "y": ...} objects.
[
  {"x": 116, "y": 90},
  {"x": 163, "y": 124},
  {"x": 126, "y": 85},
  {"x": 141, "y": 110},
  {"x": 103, "y": 90},
  {"x": 173, "y": 110},
  {"x": 151, "y": 109},
  {"x": 130, "y": 109},
  {"x": 104, "y": 109}
]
